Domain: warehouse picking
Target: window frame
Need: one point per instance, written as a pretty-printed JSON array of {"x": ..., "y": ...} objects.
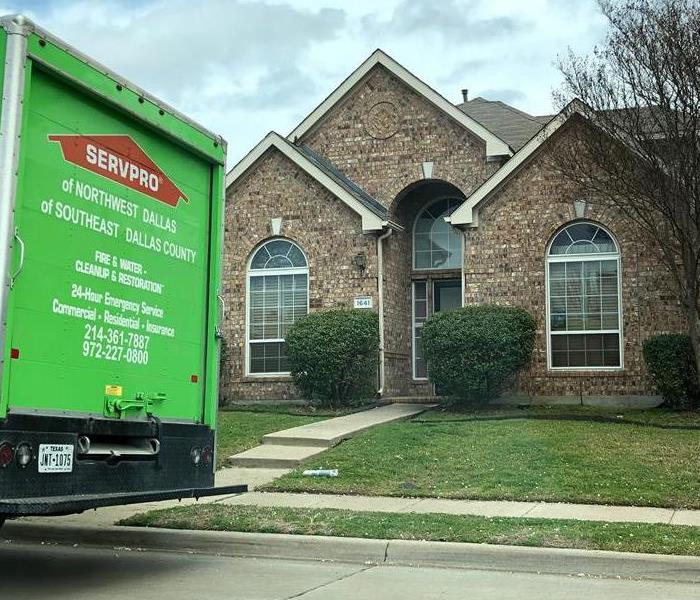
[
  {"x": 251, "y": 273},
  {"x": 415, "y": 326},
  {"x": 433, "y": 202},
  {"x": 580, "y": 258}
]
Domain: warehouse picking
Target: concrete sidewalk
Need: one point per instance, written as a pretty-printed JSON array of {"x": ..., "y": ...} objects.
[
  {"x": 287, "y": 449},
  {"x": 484, "y": 508}
]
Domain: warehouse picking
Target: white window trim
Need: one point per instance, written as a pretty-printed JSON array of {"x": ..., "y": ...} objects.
[
  {"x": 559, "y": 258},
  {"x": 413, "y": 236},
  {"x": 413, "y": 325},
  {"x": 263, "y": 273}
]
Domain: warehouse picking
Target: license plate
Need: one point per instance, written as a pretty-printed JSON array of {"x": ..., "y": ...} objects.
[{"x": 56, "y": 458}]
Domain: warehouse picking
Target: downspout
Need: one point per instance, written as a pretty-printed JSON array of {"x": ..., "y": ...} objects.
[
  {"x": 380, "y": 293},
  {"x": 464, "y": 254}
]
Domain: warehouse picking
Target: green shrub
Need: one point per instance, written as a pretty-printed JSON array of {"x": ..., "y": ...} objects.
[
  {"x": 333, "y": 355},
  {"x": 671, "y": 364},
  {"x": 474, "y": 352}
]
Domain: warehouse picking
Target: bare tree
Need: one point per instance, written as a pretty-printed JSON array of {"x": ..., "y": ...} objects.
[{"x": 640, "y": 149}]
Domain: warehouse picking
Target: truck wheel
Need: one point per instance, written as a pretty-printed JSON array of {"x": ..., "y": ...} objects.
[{"x": 2, "y": 520}]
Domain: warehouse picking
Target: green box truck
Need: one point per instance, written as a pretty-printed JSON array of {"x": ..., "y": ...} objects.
[{"x": 110, "y": 232}]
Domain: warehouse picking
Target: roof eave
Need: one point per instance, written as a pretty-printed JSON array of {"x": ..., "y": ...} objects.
[
  {"x": 370, "y": 220},
  {"x": 494, "y": 145}
]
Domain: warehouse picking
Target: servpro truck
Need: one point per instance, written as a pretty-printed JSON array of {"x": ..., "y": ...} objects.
[{"x": 110, "y": 232}]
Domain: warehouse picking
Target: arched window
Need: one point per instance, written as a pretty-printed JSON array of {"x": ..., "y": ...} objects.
[
  {"x": 436, "y": 244},
  {"x": 583, "y": 304},
  {"x": 278, "y": 295}
]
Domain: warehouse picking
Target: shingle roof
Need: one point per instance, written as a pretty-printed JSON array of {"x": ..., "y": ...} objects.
[
  {"x": 516, "y": 127},
  {"x": 343, "y": 180},
  {"x": 510, "y": 124}
]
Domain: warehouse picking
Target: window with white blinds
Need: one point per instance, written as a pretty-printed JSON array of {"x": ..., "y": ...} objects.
[
  {"x": 584, "y": 303},
  {"x": 278, "y": 292}
]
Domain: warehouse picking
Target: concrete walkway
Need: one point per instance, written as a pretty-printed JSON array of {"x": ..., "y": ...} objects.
[
  {"x": 484, "y": 508},
  {"x": 287, "y": 449}
]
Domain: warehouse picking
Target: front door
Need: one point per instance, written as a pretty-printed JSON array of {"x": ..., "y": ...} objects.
[{"x": 445, "y": 294}]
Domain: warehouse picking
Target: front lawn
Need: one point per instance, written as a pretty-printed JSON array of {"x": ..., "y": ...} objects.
[
  {"x": 239, "y": 430},
  {"x": 490, "y": 455},
  {"x": 621, "y": 537}
]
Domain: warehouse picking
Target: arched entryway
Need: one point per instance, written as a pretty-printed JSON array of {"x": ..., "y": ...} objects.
[{"x": 423, "y": 276}]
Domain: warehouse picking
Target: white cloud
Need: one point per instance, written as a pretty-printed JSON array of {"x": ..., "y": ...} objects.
[{"x": 242, "y": 68}]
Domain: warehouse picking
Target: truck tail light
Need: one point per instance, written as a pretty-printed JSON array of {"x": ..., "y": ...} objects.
[
  {"x": 207, "y": 455},
  {"x": 23, "y": 454},
  {"x": 196, "y": 456},
  {"x": 6, "y": 454}
]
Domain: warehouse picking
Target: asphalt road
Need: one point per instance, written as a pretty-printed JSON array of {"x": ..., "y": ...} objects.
[{"x": 33, "y": 571}]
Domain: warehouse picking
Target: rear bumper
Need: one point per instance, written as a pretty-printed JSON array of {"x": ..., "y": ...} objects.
[
  {"x": 102, "y": 480},
  {"x": 59, "y": 505}
]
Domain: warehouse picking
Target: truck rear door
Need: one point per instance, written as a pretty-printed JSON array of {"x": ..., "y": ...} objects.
[{"x": 108, "y": 312}]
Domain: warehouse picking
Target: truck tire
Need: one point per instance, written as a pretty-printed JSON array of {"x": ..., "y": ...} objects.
[{"x": 2, "y": 520}]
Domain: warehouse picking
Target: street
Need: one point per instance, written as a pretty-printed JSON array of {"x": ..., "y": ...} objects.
[{"x": 33, "y": 570}]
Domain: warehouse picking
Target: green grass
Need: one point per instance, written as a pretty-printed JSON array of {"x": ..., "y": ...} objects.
[
  {"x": 239, "y": 430},
  {"x": 621, "y": 537},
  {"x": 468, "y": 456}
]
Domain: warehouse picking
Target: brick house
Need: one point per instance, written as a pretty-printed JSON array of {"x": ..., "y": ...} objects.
[{"x": 388, "y": 196}]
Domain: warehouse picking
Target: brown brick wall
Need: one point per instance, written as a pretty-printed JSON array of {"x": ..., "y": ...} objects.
[
  {"x": 505, "y": 264},
  {"x": 327, "y": 230},
  {"x": 383, "y": 131},
  {"x": 379, "y": 136}
]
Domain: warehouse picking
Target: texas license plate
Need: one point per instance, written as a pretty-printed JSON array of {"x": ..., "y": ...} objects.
[{"x": 56, "y": 458}]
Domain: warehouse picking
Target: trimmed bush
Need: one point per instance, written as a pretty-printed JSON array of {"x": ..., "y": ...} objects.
[
  {"x": 670, "y": 360},
  {"x": 333, "y": 355},
  {"x": 474, "y": 352}
]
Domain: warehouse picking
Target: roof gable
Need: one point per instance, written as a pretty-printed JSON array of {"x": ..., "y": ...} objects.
[
  {"x": 495, "y": 146},
  {"x": 466, "y": 215},
  {"x": 374, "y": 215}
]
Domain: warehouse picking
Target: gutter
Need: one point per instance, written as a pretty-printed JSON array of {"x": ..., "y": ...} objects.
[
  {"x": 464, "y": 255},
  {"x": 380, "y": 292}
]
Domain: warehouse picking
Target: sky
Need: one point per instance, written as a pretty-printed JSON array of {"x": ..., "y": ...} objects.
[{"x": 243, "y": 68}]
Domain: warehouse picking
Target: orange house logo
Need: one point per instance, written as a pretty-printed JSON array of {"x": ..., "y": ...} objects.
[{"x": 121, "y": 159}]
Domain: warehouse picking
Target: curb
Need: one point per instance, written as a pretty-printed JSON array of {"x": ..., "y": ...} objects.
[{"x": 596, "y": 563}]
